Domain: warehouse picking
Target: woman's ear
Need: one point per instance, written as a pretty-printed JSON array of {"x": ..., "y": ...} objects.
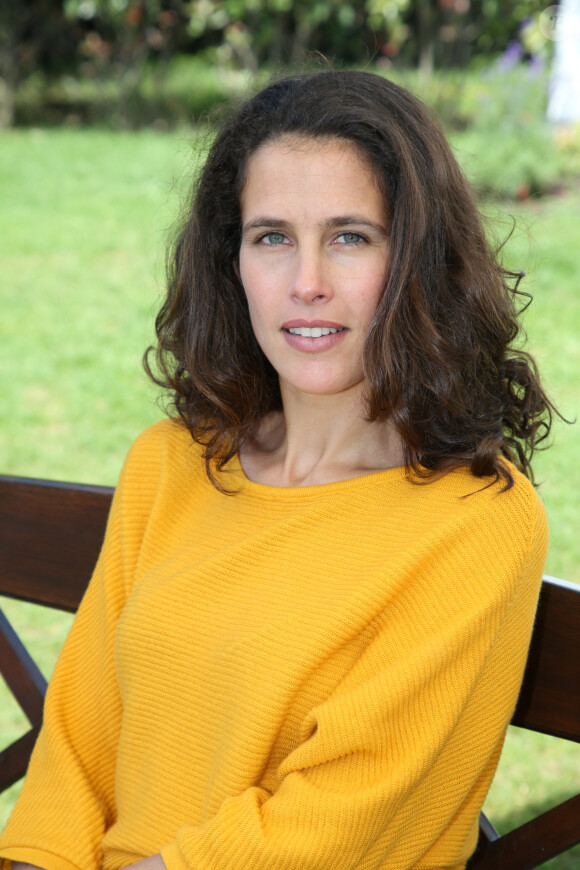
[{"x": 236, "y": 265}]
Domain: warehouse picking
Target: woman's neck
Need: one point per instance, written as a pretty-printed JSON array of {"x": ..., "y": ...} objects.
[{"x": 320, "y": 439}]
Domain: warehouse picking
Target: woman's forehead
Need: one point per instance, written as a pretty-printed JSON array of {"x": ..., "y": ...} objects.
[
  {"x": 310, "y": 148},
  {"x": 318, "y": 176}
]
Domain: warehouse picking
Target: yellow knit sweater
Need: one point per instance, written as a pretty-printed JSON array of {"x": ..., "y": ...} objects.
[{"x": 310, "y": 678}]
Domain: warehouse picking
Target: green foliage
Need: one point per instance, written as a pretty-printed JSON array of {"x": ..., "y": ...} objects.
[
  {"x": 446, "y": 33},
  {"x": 102, "y": 50},
  {"x": 277, "y": 31},
  {"x": 32, "y": 34},
  {"x": 514, "y": 159},
  {"x": 482, "y": 96},
  {"x": 499, "y": 21},
  {"x": 186, "y": 90},
  {"x": 494, "y": 117},
  {"x": 496, "y": 120}
]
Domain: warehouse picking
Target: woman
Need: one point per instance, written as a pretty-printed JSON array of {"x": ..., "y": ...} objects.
[{"x": 306, "y": 631}]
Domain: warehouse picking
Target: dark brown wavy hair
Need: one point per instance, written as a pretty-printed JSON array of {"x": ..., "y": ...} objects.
[{"x": 441, "y": 359}]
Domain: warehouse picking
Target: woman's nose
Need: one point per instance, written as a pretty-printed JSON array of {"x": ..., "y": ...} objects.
[{"x": 310, "y": 282}]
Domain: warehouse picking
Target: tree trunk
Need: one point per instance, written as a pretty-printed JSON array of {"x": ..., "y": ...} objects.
[
  {"x": 425, "y": 35},
  {"x": 301, "y": 41},
  {"x": 6, "y": 105},
  {"x": 8, "y": 64}
]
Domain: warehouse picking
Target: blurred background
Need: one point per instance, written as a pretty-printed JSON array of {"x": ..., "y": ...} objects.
[
  {"x": 106, "y": 109},
  {"x": 129, "y": 64}
]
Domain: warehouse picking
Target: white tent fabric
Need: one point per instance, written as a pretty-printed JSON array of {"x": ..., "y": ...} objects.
[{"x": 564, "y": 99}]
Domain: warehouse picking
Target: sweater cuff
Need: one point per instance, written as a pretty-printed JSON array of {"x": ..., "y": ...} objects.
[
  {"x": 36, "y": 857},
  {"x": 172, "y": 858}
]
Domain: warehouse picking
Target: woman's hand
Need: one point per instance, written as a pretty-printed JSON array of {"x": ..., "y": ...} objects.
[{"x": 155, "y": 862}]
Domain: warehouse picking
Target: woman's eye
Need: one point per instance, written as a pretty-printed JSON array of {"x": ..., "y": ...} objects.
[
  {"x": 352, "y": 238},
  {"x": 273, "y": 239}
]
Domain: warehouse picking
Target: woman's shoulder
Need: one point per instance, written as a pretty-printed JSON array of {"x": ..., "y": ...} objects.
[
  {"x": 516, "y": 500},
  {"x": 165, "y": 451},
  {"x": 512, "y": 517},
  {"x": 169, "y": 433},
  {"x": 517, "y": 496}
]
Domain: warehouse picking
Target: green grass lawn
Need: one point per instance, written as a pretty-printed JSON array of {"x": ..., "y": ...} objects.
[{"x": 83, "y": 217}]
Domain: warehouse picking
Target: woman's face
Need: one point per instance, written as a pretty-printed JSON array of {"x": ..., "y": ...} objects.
[{"x": 312, "y": 259}]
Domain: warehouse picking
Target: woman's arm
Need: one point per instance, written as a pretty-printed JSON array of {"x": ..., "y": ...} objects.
[{"x": 67, "y": 800}]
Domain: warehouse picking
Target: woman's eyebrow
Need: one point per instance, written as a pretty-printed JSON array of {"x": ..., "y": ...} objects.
[
  {"x": 353, "y": 220},
  {"x": 330, "y": 223},
  {"x": 264, "y": 221}
]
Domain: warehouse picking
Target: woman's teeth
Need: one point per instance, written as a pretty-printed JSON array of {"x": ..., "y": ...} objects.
[{"x": 314, "y": 331}]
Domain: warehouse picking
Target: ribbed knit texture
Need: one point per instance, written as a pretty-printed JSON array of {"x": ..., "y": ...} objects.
[{"x": 310, "y": 678}]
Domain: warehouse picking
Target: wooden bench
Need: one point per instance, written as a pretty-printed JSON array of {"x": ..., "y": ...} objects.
[{"x": 50, "y": 535}]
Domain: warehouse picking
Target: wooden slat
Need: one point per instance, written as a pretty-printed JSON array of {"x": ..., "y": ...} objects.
[
  {"x": 549, "y": 699},
  {"x": 549, "y": 702},
  {"x": 532, "y": 844},
  {"x": 14, "y": 760},
  {"x": 21, "y": 672},
  {"x": 50, "y": 537}
]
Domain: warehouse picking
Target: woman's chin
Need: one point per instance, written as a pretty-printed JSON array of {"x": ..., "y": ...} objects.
[{"x": 321, "y": 387}]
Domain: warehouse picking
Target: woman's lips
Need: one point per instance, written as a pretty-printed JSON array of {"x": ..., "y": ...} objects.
[
  {"x": 300, "y": 322},
  {"x": 313, "y": 341}
]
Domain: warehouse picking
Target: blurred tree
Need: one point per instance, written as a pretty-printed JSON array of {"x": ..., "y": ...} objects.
[
  {"x": 447, "y": 33},
  {"x": 121, "y": 35},
  {"x": 496, "y": 22},
  {"x": 33, "y": 34},
  {"x": 114, "y": 40},
  {"x": 253, "y": 32},
  {"x": 424, "y": 33}
]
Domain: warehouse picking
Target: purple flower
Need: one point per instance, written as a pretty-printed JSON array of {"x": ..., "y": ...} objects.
[
  {"x": 511, "y": 56},
  {"x": 536, "y": 66}
]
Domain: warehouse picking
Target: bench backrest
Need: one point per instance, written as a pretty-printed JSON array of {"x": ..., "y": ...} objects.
[
  {"x": 50, "y": 536},
  {"x": 549, "y": 702}
]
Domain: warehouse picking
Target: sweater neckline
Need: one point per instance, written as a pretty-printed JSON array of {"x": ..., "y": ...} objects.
[{"x": 361, "y": 481}]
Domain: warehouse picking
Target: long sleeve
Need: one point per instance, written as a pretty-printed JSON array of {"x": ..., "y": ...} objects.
[
  {"x": 72, "y": 769},
  {"x": 394, "y": 744}
]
